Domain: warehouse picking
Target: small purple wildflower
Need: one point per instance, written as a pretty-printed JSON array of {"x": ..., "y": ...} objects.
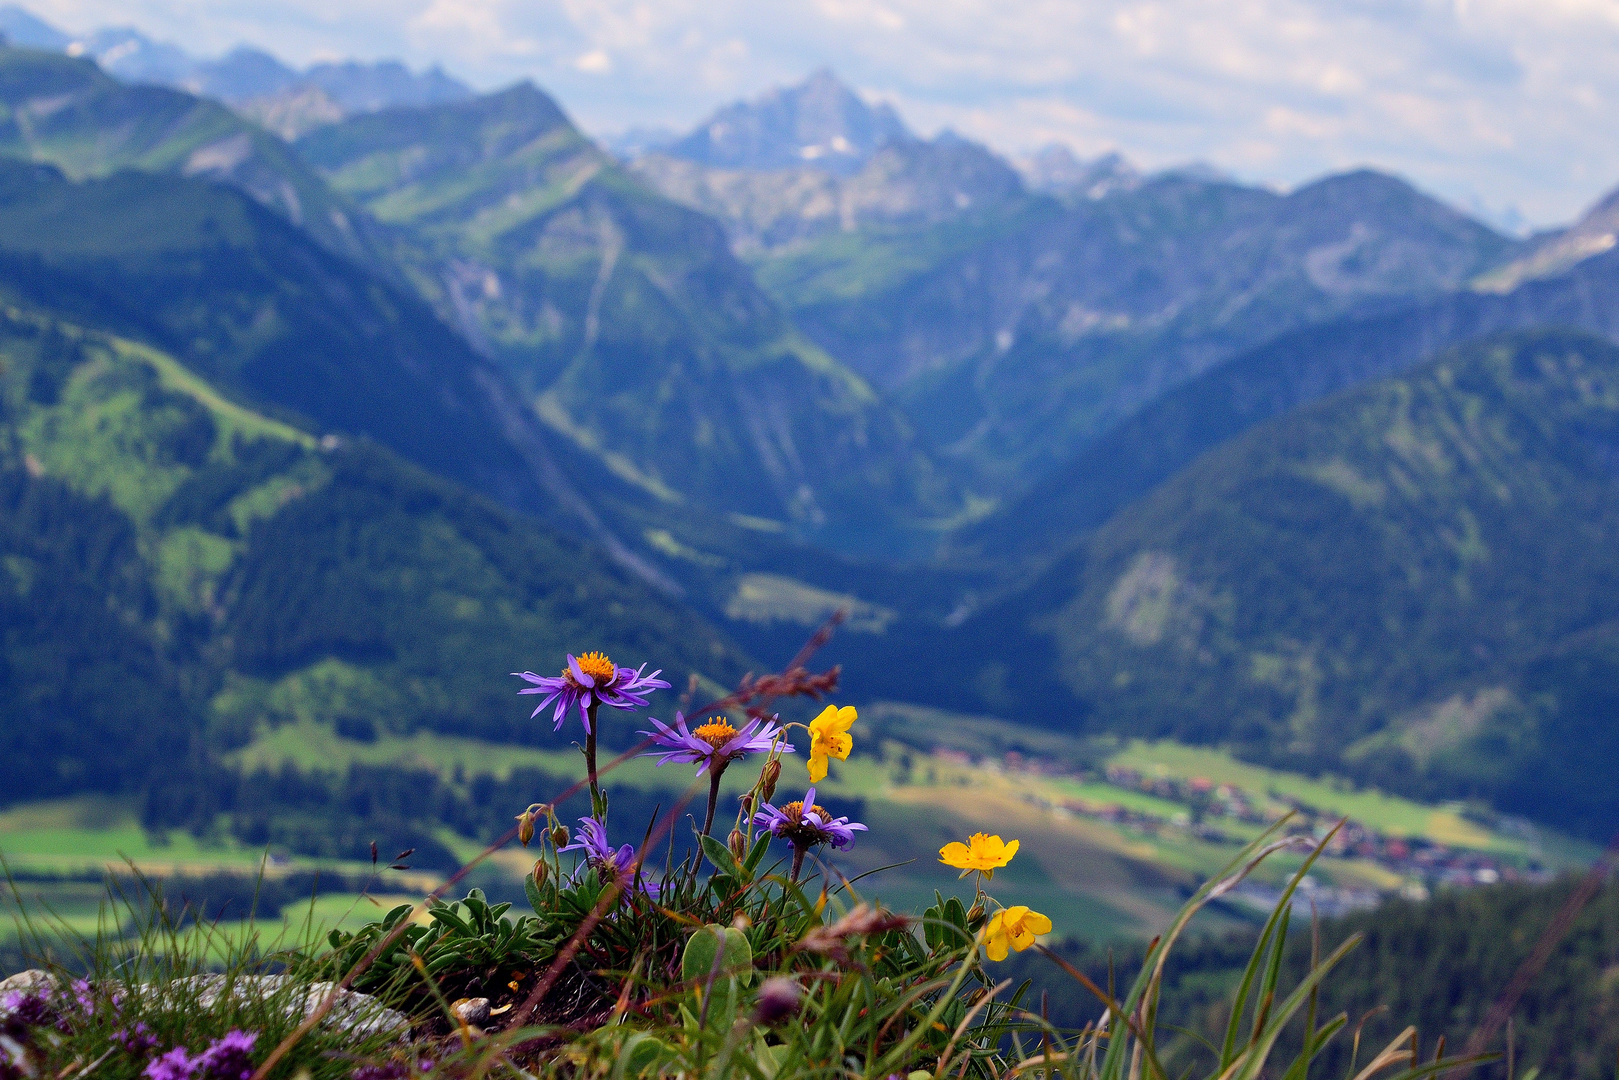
[
  {"x": 177, "y": 1064},
  {"x": 713, "y": 745},
  {"x": 611, "y": 864},
  {"x": 27, "y": 1010},
  {"x": 228, "y": 1057},
  {"x": 589, "y": 680},
  {"x": 806, "y": 824},
  {"x": 137, "y": 1041},
  {"x": 388, "y": 1070}
]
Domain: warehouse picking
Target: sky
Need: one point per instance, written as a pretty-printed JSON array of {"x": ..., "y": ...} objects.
[{"x": 1508, "y": 108}]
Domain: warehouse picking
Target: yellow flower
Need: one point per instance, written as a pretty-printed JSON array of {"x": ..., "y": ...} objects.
[
  {"x": 829, "y": 737},
  {"x": 980, "y": 852},
  {"x": 1014, "y": 928}
]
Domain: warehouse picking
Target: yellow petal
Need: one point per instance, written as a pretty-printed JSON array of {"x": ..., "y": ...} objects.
[
  {"x": 995, "y": 948},
  {"x": 1022, "y": 939},
  {"x": 1011, "y": 850},
  {"x": 954, "y": 854},
  {"x": 817, "y": 768},
  {"x": 846, "y": 718},
  {"x": 1037, "y": 923},
  {"x": 825, "y": 723},
  {"x": 1014, "y": 915},
  {"x": 841, "y": 745}
]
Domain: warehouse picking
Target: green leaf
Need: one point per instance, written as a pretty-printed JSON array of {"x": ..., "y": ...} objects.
[
  {"x": 720, "y": 856},
  {"x": 716, "y": 951}
]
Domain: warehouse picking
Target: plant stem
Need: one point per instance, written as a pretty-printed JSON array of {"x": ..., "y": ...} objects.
[
  {"x": 597, "y": 807},
  {"x": 714, "y": 774},
  {"x": 798, "y": 860}
]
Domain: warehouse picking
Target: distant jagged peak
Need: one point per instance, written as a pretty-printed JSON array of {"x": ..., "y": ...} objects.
[
  {"x": 1596, "y": 232},
  {"x": 246, "y": 77},
  {"x": 1056, "y": 170},
  {"x": 820, "y": 122}
]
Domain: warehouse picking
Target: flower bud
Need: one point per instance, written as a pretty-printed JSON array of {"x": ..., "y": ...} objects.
[
  {"x": 772, "y": 773},
  {"x": 559, "y": 836},
  {"x": 525, "y": 827},
  {"x": 778, "y": 999},
  {"x": 540, "y": 873},
  {"x": 747, "y": 804},
  {"x": 738, "y": 845},
  {"x": 975, "y": 915}
]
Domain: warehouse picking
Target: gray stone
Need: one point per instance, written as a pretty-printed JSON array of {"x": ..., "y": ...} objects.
[
  {"x": 32, "y": 981},
  {"x": 358, "y": 1014}
]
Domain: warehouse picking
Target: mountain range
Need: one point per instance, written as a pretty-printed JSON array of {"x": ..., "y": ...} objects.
[
  {"x": 314, "y": 431},
  {"x": 286, "y": 100}
]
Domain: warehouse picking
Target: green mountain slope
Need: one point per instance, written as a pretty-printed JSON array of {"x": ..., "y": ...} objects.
[
  {"x": 1292, "y": 370},
  {"x": 1016, "y": 334},
  {"x": 624, "y": 319},
  {"x": 68, "y": 113},
  {"x": 253, "y": 305},
  {"x": 178, "y": 573},
  {"x": 1388, "y": 581}
]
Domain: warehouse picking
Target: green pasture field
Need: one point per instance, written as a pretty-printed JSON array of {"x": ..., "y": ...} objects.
[{"x": 1094, "y": 878}]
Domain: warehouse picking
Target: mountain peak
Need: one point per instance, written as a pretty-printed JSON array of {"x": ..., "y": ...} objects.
[
  {"x": 819, "y": 122},
  {"x": 1055, "y": 169}
]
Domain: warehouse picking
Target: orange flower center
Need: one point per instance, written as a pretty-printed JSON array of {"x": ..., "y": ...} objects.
[
  {"x": 795, "y": 811},
  {"x": 596, "y": 665},
  {"x": 715, "y": 733}
]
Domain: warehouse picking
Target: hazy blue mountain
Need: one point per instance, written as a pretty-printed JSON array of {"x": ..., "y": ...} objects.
[
  {"x": 625, "y": 321},
  {"x": 242, "y": 76},
  {"x": 23, "y": 27},
  {"x": 69, "y": 113},
  {"x": 1054, "y": 170},
  {"x": 819, "y": 122},
  {"x": 1387, "y": 582},
  {"x": 906, "y": 183},
  {"x": 1296, "y": 368},
  {"x": 359, "y": 87},
  {"x": 1549, "y": 254},
  {"x": 1016, "y": 334}
]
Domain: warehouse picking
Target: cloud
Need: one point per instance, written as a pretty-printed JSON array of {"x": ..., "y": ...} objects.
[{"x": 1500, "y": 102}]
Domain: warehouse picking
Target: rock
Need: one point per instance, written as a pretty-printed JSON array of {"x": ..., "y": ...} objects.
[
  {"x": 361, "y": 1015},
  {"x": 473, "y": 1011},
  {"x": 30, "y": 982}
]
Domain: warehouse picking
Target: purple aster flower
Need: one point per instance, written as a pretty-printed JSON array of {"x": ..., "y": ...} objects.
[
  {"x": 611, "y": 864},
  {"x": 713, "y": 745},
  {"x": 807, "y": 825},
  {"x": 136, "y": 1041},
  {"x": 228, "y": 1057},
  {"x": 589, "y": 680},
  {"x": 388, "y": 1070},
  {"x": 177, "y": 1064},
  {"x": 27, "y": 1010}
]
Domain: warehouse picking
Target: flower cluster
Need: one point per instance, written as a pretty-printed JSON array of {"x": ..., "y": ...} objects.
[
  {"x": 1011, "y": 929},
  {"x": 592, "y": 679},
  {"x": 228, "y": 1057}
]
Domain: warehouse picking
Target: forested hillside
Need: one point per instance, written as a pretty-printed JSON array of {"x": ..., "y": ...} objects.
[
  {"x": 180, "y": 572},
  {"x": 1415, "y": 581}
]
